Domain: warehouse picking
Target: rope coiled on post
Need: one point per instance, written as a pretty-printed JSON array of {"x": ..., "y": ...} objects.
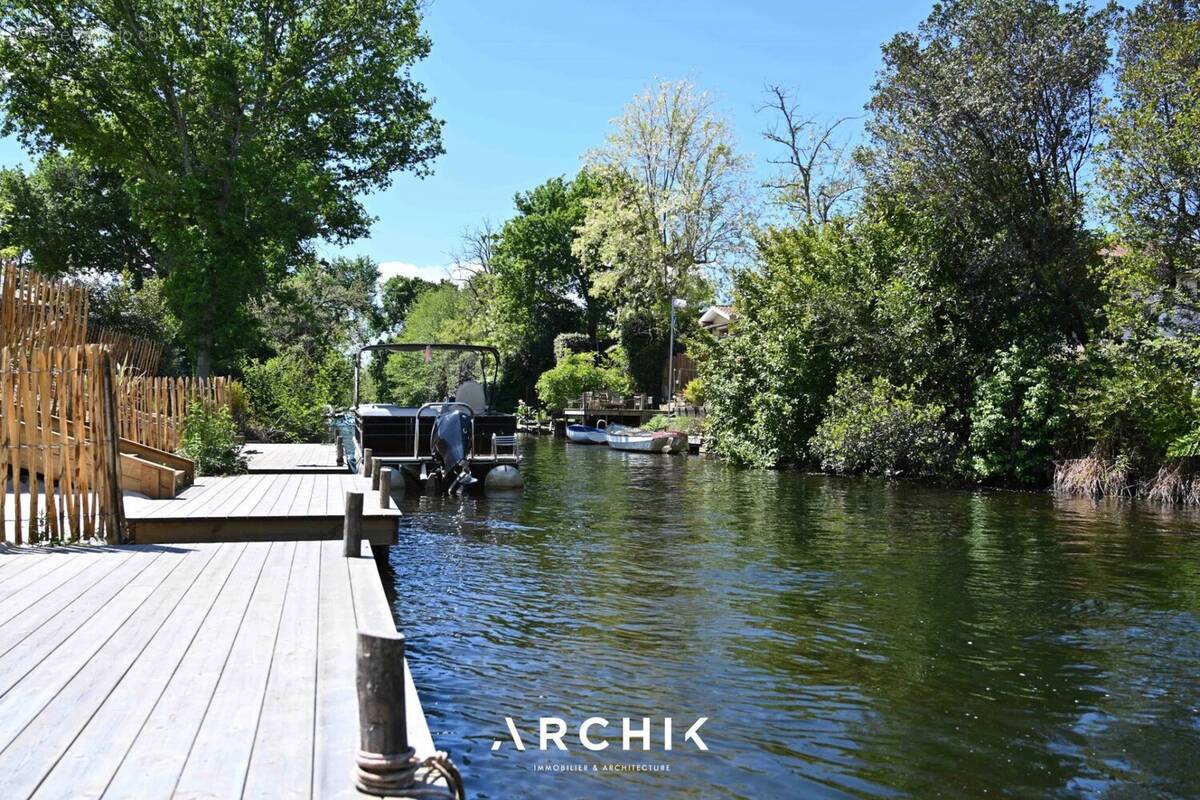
[{"x": 404, "y": 775}]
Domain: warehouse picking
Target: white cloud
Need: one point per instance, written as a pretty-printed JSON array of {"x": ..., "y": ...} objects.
[{"x": 434, "y": 274}]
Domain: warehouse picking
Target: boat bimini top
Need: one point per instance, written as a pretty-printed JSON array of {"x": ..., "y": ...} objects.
[{"x": 428, "y": 348}]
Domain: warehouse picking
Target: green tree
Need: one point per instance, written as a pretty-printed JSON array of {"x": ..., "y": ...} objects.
[
  {"x": 671, "y": 213},
  {"x": 68, "y": 216},
  {"x": 243, "y": 129},
  {"x": 322, "y": 306},
  {"x": 445, "y": 314},
  {"x": 575, "y": 374},
  {"x": 543, "y": 288},
  {"x": 1151, "y": 164},
  {"x": 310, "y": 326},
  {"x": 396, "y": 297},
  {"x": 985, "y": 119}
]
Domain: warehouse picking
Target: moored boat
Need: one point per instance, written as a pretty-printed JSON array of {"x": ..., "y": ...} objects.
[
  {"x": 638, "y": 440},
  {"x": 586, "y": 434}
]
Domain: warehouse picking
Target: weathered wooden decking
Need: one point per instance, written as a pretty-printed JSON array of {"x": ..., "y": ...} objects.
[
  {"x": 209, "y": 670},
  {"x": 259, "y": 507},
  {"x": 290, "y": 459}
]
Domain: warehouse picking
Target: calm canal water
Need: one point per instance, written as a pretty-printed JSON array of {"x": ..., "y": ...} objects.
[{"x": 844, "y": 637}]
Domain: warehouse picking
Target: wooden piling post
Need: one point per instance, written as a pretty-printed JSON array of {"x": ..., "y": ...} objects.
[
  {"x": 385, "y": 487},
  {"x": 384, "y": 760},
  {"x": 376, "y": 468},
  {"x": 337, "y": 447},
  {"x": 366, "y": 465},
  {"x": 352, "y": 527}
]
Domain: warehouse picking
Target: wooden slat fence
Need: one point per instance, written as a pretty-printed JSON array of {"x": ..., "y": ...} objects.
[
  {"x": 152, "y": 411},
  {"x": 131, "y": 353},
  {"x": 58, "y": 424},
  {"x": 36, "y": 311}
]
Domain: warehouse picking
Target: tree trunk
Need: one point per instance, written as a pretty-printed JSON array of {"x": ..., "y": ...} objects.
[{"x": 203, "y": 359}]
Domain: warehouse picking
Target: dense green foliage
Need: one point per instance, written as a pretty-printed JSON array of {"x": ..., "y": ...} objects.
[
  {"x": 962, "y": 317},
  {"x": 210, "y": 439},
  {"x": 1020, "y": 416},
  {"x": 242, "y": 130},
  {"x": 309, "y": 327},
  {"x": 575, "y": 374},
  {"x": 68, "y": 216},
  {"x": 878, "y": 428}
]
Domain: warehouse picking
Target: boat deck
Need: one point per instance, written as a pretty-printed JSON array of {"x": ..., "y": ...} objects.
[
  {"x": 258, "y": 507},
  {"x": 197, "y": 670},
  {"x": 288, "y": 459}
]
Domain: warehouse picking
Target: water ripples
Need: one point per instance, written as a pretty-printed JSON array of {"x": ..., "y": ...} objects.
[{"x": 845, "y": 638}]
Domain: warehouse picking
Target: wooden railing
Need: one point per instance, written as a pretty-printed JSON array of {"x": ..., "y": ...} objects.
[
  {"x": 130, "y": 353},
  {"x": 36, "y": 311},
  {"x": 58, "y": 425},
  {"x": 152, "y": 411}
]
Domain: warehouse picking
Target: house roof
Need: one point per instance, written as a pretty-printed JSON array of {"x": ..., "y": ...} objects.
[{"x": 717, "y": 315}]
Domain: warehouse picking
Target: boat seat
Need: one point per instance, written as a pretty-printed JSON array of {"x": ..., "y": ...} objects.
[{"x": 471, "y": 393}]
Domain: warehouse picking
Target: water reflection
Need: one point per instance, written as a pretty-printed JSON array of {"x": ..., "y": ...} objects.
[{"x": 846, "y": 637}]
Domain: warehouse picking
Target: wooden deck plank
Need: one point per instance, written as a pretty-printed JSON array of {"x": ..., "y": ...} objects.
[
  {"x": 244, "y": 507},
  {"x": 44, "y": 565},
  {"x": 217, "y": 670},
  {"x": 299, "y": 507},
  {"x": 284, "y": 496},
  {"x": 16, "y": 589},
  {"x": 229, "y": 500},
  {"x": 26, "y": 697},
  {"x": 92, "y": 759},
  {"x": 36, "y": 749},
  {"x": 28, "y": 639},
  {"x": 152, "y": 765},
  {"x": 282, "y": 755},
  {"x": 15, "y": 558},
  {"x": 286, "y": 458},
  {"x": 220, "y": 754},
  {"x": 210, "y": 505},
  {"x": 337, "y": 704},
  {"x": 55, "y": 589},
  {"x": 146, "y": 506}
]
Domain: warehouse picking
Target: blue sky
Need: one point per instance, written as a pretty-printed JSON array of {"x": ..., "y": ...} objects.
[{"x": 526, "y": 88}]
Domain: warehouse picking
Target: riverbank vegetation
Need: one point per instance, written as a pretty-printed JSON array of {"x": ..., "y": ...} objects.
[
  {"x": 996, "y": 282},
  {"x": 980, "y": 310}
]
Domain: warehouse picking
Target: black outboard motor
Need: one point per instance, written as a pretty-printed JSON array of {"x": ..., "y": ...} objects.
[{"x": 452, "y": 445}]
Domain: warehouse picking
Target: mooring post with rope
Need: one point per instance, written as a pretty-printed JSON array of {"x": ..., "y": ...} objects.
[{"x": 385, "y": 763}]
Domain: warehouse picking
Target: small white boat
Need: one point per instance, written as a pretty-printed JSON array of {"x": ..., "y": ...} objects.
[
  {"x": 640, "y": 441},
  {"x": 586, "y": 434}
]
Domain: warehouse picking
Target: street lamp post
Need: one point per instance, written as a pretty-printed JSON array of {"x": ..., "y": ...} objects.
[{"x": 677, "y": 303}]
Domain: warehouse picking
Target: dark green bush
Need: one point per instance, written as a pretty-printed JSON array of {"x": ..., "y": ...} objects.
[
  {"x": 289, "y": 396},
  {"x": 1020, "y": 416},
  {"x": 575, "y": 374},
  {"x": 1138, "y": 397},
  {"x": 210, "y": 439},
  {"x": 566, "y": 343},
  {"x": 877, "y": 428}
]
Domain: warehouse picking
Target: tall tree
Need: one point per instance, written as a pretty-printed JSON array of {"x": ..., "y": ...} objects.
[
  {"x": 543, "y": 288},
  {"x": 673, "y": 201},
  {"x": 984, "y": 119},
  {"x": 68, "y": 216},
  {"x": 396, "y": 296},
  {"x": 1151, "y": 163},
  {"x": 816, "y": 174},
  {"x": 244, "y": 129}
]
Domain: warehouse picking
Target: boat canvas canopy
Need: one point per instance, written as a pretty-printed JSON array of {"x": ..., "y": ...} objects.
[{"x": 431, "y": 347}]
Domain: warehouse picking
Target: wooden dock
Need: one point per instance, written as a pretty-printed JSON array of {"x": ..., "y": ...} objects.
[
  {"x": 259, "y": 507},
  {"x": 291, "y": 459},
  {"x": 200, "y": 670}
]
